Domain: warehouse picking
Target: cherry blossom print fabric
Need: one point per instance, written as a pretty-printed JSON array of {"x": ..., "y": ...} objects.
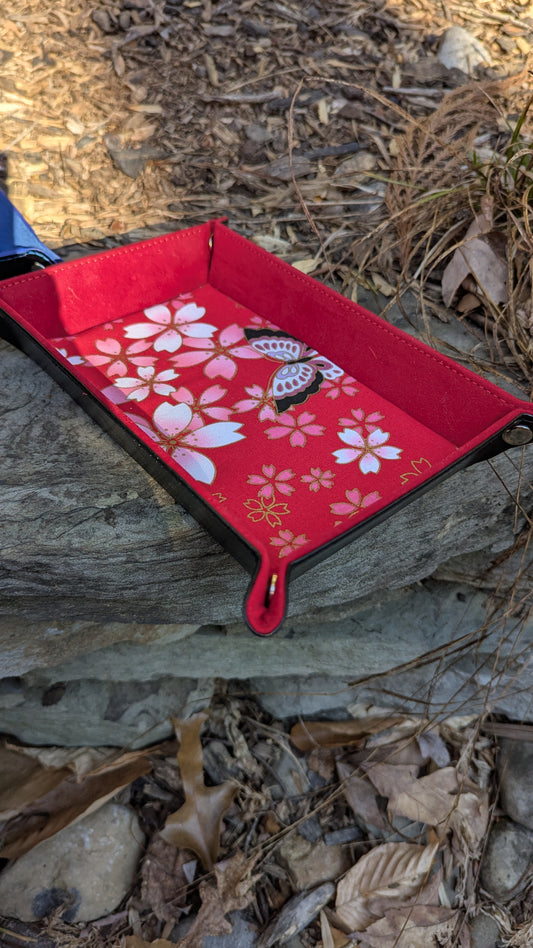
[{"x": 289, "y": 448}]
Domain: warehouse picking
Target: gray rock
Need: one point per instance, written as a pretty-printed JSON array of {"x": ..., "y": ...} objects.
[
  {"x": 97, "y": 698},
  {"x": 258, "y": 133},
  {"x": 507, "y": 860},
  {"x": 93, "y": 712},
  {"x": 515, "y": 770},
  {"x": 309, "y": 864},
  {"x": 296, "y": 915},
  {"x": 131, "y": 161},
  {"x": 244, "y": 935},
  {"x": 311, "y": 830},
  {"x": 88, "y": 867},
  {"x": 103, "y": 20},
  {"x": 484, "y": 932},
  {"x": 460, "y": 50},
  {"x": 349, "y": 834},
  {"x": 402, "y": 828}
]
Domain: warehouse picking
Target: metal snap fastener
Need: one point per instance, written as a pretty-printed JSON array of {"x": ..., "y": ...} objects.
[{"x": 519, "y": 434}]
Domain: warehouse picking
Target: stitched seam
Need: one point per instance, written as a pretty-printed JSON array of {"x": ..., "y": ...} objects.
[
  {"x": 86, "y": 261},
  {"x": 322, "y": 291}
]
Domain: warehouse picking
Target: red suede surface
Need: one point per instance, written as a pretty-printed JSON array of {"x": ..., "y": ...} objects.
[{"x": 167, "y": 351}]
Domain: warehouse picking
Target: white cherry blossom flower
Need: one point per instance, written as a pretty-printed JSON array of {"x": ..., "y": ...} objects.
[
  {"x": 369, "y": 451},
  {"x": 170, "y": 327},
  {"x": 174, "y": 430},
  {"x": 73, "y": 359}
]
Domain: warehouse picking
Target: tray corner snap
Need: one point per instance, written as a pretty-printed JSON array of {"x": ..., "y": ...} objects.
[{"x": 516, "y": 435}]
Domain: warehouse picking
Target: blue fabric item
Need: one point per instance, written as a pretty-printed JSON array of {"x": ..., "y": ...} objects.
[{"x": 17, "y": 239}]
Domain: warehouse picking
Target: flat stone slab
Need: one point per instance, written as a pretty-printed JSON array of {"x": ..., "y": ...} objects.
[{"x": 428, "y": 649}]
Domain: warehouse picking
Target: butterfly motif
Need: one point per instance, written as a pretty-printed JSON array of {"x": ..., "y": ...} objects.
[{"x": 303, "y": 369}]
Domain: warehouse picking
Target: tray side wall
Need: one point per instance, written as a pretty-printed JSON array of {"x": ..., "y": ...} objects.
[
  {"x": 434, "y": 390},
  {"x": 71, "y": 297}
]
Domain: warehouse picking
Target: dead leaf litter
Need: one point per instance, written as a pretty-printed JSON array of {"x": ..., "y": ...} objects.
[{"x": 224, "y": 849}]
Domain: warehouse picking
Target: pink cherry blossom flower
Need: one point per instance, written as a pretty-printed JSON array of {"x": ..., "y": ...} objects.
[
  {"x": 338, "y": 387},
  {"x": 170, "y": 328},
  {"x": 205, "y": 402},
  {"x": 367, "y": 451},
  {"x": 218, "y": 354},
  {"x": 259, "y": 398},
  {"x": 297, "y": 428},
  {"x": 140, "y": 388},
  {"x": 270, "y": 482},
  {"x": 259, "y": 322},
  {"x": 360, "y": 420},
  {"x": 355, "y": 503},
  {"x": 174, "y": 430},
  {"x": 317, "y": 479},
  {"x": 115, "y": 356},
  {"x": 287, "y": 542}
]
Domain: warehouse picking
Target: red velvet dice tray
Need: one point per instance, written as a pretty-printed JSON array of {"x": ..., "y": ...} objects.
[{"x": 285, "y": 418}]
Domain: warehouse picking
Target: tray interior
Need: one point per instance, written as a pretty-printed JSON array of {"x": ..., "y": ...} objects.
[{"x": 285, "y": 444}]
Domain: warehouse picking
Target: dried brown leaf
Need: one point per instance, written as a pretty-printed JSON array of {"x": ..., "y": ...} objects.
[
  {"x": 438, "y": 798},
  {"x": 135, "y": 941},
  {"x": 164, "y": 882},
  {"x": 477, "y": 257},
  {"x": 429, "y": 799},
  {"x": 392, "y": 870},
  {"x": 307, "y": 735},
  {"x": 360, "y": 795},
  {"x": 69, "y": 801},
  {"x": 469, "y": 819},
  {"x": 23, "y": 780},
  {"x": 416, "y": 927},
  {"x": 232, "y": 893},
  {"x": 325, "y": 931},
  {"x": 196, "y": 825}
]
